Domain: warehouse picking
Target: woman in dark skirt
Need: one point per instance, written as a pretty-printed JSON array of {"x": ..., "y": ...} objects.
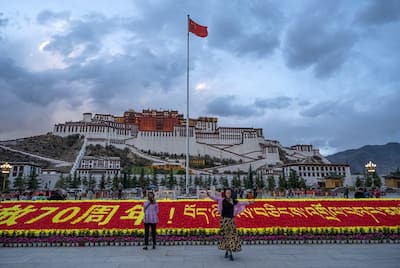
[{"x": 229, "y": 208}]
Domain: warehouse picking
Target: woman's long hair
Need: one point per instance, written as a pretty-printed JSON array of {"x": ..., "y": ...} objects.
[{"x": 234, "y": 200}]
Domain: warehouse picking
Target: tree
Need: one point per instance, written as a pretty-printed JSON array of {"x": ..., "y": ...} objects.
[
  {"x": 91, "y": 183},
  {"x": 271, "y": 183},
  {"x": 134, "y": 181},
  {"x": 293, "y": 182},
  {"x": 61, "y": 182},
  {"x": 171, "y": 180},
  {"x": 359, "y": 182},
  {"x": 115, "y": 182},
  {"x": 246, "y": 182},
  {"x": 235, "y": 182},
  {"x": 142, "y": 180},
  {"x": 125, "y": 180},
  {"x": 19, "y": 184},
  {"x": 7, "y": 184},
  {"x": 209, "y": 181},
  {"x": 163, "y": 181},
  {"x": 68, "y": 181},
  {"x": 75, "y": 182},
  {"x": 197, "y": 181},
  {"x": 154, "y": 180},
  {"x": 260, "y": 182},
  {"x": 225, "y": 182},
  {"x": 182, "y": 182},
  {"x": 377, "y": 180},
  {"x": 33, "y": 182},
  {"x": 128, "y": 182},
  {"x": 221, "y": 181},
  {"x": 282, "y": 183},
  {"x": 102, "y": 183},
  {"x": 368, "y": 181},
  {"x": 4, "y": 180},
  {"x": 147, "y": 181},
  {"x": 85, "y": 182},
  {"x": 250, "y": 180},
  {"x": 109, "y": 182},
  {"x": 302, "y": 183}
]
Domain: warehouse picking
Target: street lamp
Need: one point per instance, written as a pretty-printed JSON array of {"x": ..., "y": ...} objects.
[
  {"x": 371, "y": 167},
  {"x": 5, "y": 170}
]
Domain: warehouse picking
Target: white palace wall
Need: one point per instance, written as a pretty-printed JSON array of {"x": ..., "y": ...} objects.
[
  {"x": 164, "y": 142},
  {"x": 93, "y": 132},
  {"x": 224, "y": 143}
]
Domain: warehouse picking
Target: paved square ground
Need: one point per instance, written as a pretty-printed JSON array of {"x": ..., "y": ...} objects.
[{"x": 330, "y": 255}]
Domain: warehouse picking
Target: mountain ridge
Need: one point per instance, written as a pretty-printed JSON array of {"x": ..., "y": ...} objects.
[{"x": 386, "y": 157}]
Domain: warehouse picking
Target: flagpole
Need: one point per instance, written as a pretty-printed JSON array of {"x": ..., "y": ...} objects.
[{"x": 187, "y": 109}]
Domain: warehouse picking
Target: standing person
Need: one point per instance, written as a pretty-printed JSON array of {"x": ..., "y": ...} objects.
[
  {"x": 120, "y": 187},
  {"x": 346, "y": 192},
  {"x": 150, "y": 219},
  {"x": 229, "y": 208}
]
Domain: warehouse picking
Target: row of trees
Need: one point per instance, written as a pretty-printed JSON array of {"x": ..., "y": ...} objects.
[
  {"x": 369, "y": 181},
  {"x": 170, "y": 181},
  {"x": 21, "y": 184}
]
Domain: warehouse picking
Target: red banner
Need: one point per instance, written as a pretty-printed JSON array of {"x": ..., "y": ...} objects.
[{"x": 188, "y": 214}]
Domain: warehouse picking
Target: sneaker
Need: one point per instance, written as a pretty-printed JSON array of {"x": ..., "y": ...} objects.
[{"x": 145, "y": 248}]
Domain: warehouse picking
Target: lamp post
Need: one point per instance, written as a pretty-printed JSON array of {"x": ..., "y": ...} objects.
[
  {"x": 5, "y": 170},
  {"x": 371, "y": 167}
]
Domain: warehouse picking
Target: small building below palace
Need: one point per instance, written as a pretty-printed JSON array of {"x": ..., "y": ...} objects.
[
  {"x": 23, "y": 170},
  {"x": 332, "y": 182},
  {"x": 98, "y": 166},
  {"x": 392, "y": 181},
  {"x": 320, "y": 174}
]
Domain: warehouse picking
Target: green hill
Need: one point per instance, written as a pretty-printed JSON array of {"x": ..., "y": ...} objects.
[{"x": 50, "y": 146}]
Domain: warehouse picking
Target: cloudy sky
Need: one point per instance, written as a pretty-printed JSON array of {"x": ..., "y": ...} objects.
[{"x": 325, "y": 73}]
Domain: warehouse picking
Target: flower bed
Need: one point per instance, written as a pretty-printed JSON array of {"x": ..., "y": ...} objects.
[{"x": 86, "y": 223}]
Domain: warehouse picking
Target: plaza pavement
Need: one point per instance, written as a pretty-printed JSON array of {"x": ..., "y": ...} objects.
[{"x": 299, "y": 256}]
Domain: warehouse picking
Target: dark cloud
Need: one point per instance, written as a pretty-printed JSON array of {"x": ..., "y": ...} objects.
[
  {"x": 329, "y": 108},
  {"x": 273, "y": 103},
  {"x": 323, "y": 108},
  {"x": 380, "y": 12},
  {"x": 303, "y": 102},
  {"x": 48, "y": 16},
  {"x": 250, "y": 27},
  {"x": 86, "y": 33},
  {"x": 226, "y": 106},
  {"x": 34, "y": 88},
  {"x": 3, "y": 21},
  {"x": 316, "y": 40},
  {"x": 101, "y": 81}
]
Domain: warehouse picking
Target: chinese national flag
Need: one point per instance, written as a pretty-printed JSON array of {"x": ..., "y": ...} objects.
[{"x": 197, "y": 29}]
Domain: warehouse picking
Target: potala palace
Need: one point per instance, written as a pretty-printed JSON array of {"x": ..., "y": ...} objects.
[{"x": 163, "y": 131}]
